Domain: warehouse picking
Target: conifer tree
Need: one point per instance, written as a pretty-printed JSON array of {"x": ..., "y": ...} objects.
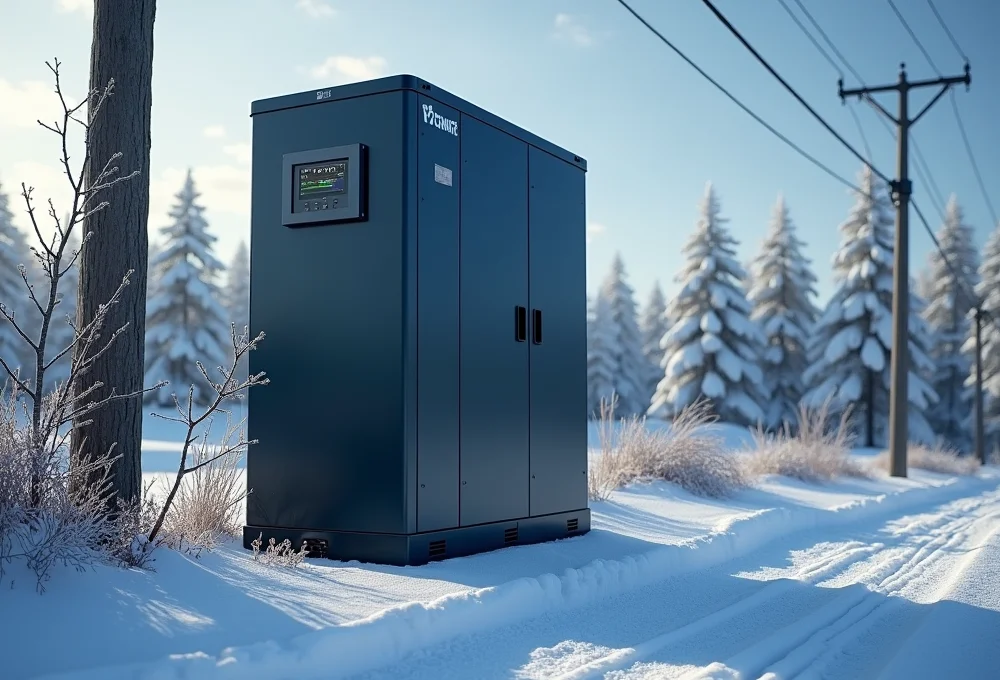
[
  {"x": 711, "y": 350},
  {"x": 185, "y": 320},
  {"x": 781, "y": 297},
  {"x": 849, "y": 354},
  {"x": 618, "y": 341},
  {"x": 988, "y": 292},
  {"x": 653, "y": 325},
  {"x": 949, "y": 297},
  {"x": 600, "y": 367}
]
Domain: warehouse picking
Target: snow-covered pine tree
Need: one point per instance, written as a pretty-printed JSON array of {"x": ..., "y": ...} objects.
[
  {"x": 783, "y": 285},
  {"x": 713, "y": 348},
  {"x": 620, "y": 343},
  {"x": 653, "y": 325},
  {"x": 988, "y": 292},
  {"x": 600, "y": 352},
  {"x": 850, "y": 350},
  {"x": 185, "y": 321},
  {"x": 13, "y": 253},
  {"x": 949, "y": 303}
]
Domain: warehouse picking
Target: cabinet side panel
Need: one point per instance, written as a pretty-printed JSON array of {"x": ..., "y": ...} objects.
[
  {"x": 330, "y": 425},
  {"x": 494, "y": 365},
  {"x": 557, "y": 236},
  {"x": 439, "y": 187}
]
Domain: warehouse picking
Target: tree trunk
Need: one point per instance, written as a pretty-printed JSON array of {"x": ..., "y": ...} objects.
[{"x": 122, "y": 50}]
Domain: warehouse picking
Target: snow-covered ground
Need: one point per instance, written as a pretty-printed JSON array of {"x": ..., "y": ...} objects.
[{"x": 841, "y": 580}]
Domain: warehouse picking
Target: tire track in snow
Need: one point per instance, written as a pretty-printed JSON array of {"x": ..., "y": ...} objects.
[
  {"x": 879, "y": 568},
  {"x": 796, "y": 648},
  {"x": 813, "y": 665}
]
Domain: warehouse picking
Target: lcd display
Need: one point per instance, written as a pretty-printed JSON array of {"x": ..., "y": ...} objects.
[{"x": 319, "y": 180}]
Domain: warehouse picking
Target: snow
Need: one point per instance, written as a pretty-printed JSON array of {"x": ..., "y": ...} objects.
[
  {"x": 665, "y": 584},
  {"x": 712, "y": 386},
  {"x": 873, "y": 354}
]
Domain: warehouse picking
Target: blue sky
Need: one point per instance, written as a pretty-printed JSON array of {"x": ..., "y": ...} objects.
[{"x": 582, "y": 73}]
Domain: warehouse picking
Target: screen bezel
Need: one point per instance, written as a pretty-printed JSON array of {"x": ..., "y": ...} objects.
[{"x": 355, "y": 198}]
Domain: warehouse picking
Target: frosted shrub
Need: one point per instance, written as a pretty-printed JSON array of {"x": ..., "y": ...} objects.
[
  {"x": 687, "y": 455},
  {"x": 939, "y": 458},
  {"x": 816, "y": 450},
  {"x": 277, "y": 554},
  {"x": 52, "y": 514}
]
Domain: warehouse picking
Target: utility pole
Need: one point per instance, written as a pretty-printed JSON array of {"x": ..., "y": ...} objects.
[
  {"x": 980, "y": 434},
  {"x": 901, "y": 189}
]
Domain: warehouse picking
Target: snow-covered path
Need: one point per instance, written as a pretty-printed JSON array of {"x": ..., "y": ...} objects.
[{"x": 913, "y": 597}]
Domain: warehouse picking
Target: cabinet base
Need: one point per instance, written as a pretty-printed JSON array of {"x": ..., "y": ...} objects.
[{"x": 416, "y": 549}]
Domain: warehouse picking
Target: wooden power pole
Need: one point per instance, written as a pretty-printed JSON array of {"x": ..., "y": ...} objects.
[{"x": 901, "y": 189}]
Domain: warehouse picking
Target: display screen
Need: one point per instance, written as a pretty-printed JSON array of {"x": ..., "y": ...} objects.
[{"x": 319, "y": 180}]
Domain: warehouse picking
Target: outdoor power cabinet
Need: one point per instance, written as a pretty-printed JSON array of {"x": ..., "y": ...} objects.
[{"x": 418, "y": 266}]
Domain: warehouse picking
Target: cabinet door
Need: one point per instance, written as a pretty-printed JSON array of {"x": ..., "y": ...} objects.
[
  {"x": 557, "y": 236},
  {"x": 494, "y": 362}
]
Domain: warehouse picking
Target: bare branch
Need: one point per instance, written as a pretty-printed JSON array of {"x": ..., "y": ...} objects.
[
  {"x": 9, "y": 315},
  {"x": 16, "y": 379}
]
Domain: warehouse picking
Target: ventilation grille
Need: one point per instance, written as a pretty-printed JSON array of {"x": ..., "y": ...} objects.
[
  {"x": 572, "y": 525},
  {"x": 510, "y": 536},
  {"x": 315, "y": 547},
  {"x": 437, "y": 548}
]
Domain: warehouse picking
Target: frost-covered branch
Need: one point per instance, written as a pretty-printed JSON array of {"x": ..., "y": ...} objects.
[{"x": 224, "y": 390}]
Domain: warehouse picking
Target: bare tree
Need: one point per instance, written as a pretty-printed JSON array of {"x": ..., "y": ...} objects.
[
  {"x": 227, "y": 389},
  {"x": 122, "y": 50},
  {"x": 73, "y": 400}
]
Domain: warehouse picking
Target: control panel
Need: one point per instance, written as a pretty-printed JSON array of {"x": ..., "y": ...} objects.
[{"x": 323, "y": 186}]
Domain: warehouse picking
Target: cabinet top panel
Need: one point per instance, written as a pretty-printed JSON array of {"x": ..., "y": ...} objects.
[{"x": 397, "y": 83}]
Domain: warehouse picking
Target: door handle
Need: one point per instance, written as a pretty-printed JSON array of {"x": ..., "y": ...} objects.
[
  {"x": 536, "y": 326},
  {"x": 520, "y": 324}
]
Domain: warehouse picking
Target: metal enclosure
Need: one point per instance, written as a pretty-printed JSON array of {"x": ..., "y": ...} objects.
[{"x": 418, "y": 266}]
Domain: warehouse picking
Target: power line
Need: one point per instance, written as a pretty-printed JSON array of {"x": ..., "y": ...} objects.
[
  {"x": 769, "y": 127},
  {"x": 836, "y": 67},
  {"x": 829, "y": 42},
  {"x": 732, "y": 29},
  {"x": 812, "y": 39},
  {"x": 898, "y": 436},
  {"x": 923, "y": 172},
  {"x": 954, "y": 103},
  {"x": 951, "y": 37},
  {"x": 920, "y": 45},
  {"x": 746, "y": 109},
  {"x": 972, "y": 160}
]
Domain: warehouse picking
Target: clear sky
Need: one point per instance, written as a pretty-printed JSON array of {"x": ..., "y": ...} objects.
[{"x": 582, "y": 73}]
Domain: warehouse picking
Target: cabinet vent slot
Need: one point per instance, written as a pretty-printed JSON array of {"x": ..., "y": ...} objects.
[
  {"x": 437, "y": 548},
  {"x": 510, "y": 536},
  {"x": 572, "y": 525},
  {"x": 315, "y": 547}
]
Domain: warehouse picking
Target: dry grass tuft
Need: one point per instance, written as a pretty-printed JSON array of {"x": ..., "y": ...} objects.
[
  {"x": 818, "y": 449},
  {"x": 206, "y": 507},
  {"x": 686, "y": 454}
]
